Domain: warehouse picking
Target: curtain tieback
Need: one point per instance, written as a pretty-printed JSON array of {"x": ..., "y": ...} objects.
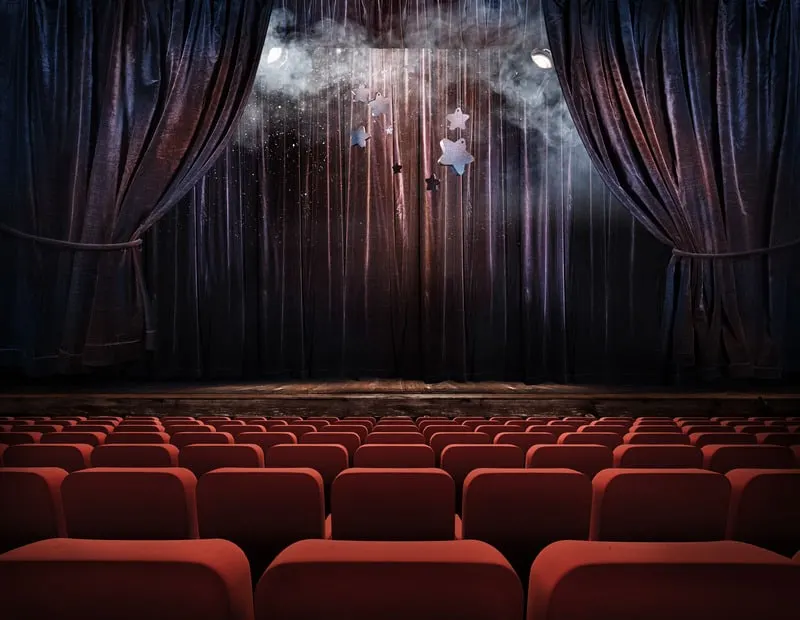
[
  {"x": 744, "y": 254},
  {"x": 136, "y": 244}
]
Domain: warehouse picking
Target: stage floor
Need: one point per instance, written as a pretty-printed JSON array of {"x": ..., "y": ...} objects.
[{"x": 385, "y": 397}]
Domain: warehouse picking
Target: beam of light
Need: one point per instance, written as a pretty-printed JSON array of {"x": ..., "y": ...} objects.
[
  {"x": 274, "y": 55},
  {"x": 542, "y": 59}
]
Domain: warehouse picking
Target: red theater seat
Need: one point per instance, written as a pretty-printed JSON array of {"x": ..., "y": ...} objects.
[
  {"x": 493, "y": 430},
  {"x": 135, "y": 455},
  {"x": 174, "y": 429},
  {"x": 765, "y": 508},
  {"x": 83, "y": 437},
  {"x": 261, "y": 510},
  {"x": 266, "y": 440},
  {"x": 126, "y": 580},
  {"x": 723, "y": 459},
  {"x": 183, "y": 439},
  {"x": 654, "y": 428},
  {"x": 350, "y": 441},
  {"x": 440, "y": 441},
  {"x": 609, "y": 440},
  {"x": 139, "y": 428},
  {"x": 298, "y": 430},
  {"x": 201, "y": 458},
  {"x": 14, "y": 438},
  {"x": 30, "y": 507},
  {"x": 659, "y": 505},
  {"x": 431, "y": 429},
  {"x": 393, "y": 504},
  {"x": 779, "y": 439},
  {"x": 328, "y": 459},
  {"x": 39, "y": 428},
  {"x": 119, "y": 436},
  {"x": 69, "y": 457},
  {"x": 363, "y": 580},
  {"x": 720, "y": 439},
  {"x": 237, "y": 429},
  {"x": 396, "y": 438},
  {"x": 359, "y": 429},
  {"x": 689, "y": 429},
  {"x": 661, "y": 439},
  {"x": 521, "y": 511},
  {"x": 574, "y": 580},
  {"x": 130, "y": 504},
  {"x": 553, "y": 429},
  {"x": 586, "y": 459},
  {"x": 424, "y": 423},
  {"x": 276, "y": 425},
  {"x": 395, "y": 428},
  {"x": 523, "y": 440},
  {"x": 459, "y": 460},
  {"x": 658, "y": 456},
  {"x": 317, "y": 424},
  {"x": 394, "y": 455}
]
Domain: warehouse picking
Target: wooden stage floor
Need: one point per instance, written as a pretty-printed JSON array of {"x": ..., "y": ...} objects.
[{"x": 385, "y": 397}]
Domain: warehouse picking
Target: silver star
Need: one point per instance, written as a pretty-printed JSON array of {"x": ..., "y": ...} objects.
[
  {"x": 390, "y": 130},
  {"x": 359, "y": 137},
  {"x": 455, "y": 154},
  {"x": 457, "y": 120},
  {"x": 380, "y": 105},
  {"x": 361, "y": 94}
]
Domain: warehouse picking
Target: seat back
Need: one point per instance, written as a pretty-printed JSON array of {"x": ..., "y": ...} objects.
[
  {"x": 349, "y": 441},
  {"x": 658, "y": 456},
  {"x": 521, "y": 511},
  {"x": 135, "y": 455},
  {"x": 75, "y": 437},
  {"x": 586, "y": 459},
  {"x": 31, "y": 506},
  {"x": 69, "y": 457},
  {"x": 639, "y": 438},
  {"x": 580, "y": 580},
  {"x": 610, "y": 440},
  {"x": 119, "y": 436},
  {"x": 394, "y": 455},
  {"x": 723, "y": 459},
  {"x": 188, "y": 438},
  {"x": 377, "y": 437},
  {"x": 361, "y": 580},
  {"x": 765, "y": 508},
  {"x": 393, "y": 504},
  {"x": 130, "y": 503},
  {"x": 327, "y": 459},
  {"x": 127, "y": 580},
  {"x": 659, "y": 505},
  {"x": 200, "y": 458}
]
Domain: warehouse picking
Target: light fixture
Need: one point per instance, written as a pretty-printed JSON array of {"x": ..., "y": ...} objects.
[
  {"x": 275, "y": 55},
  {"x": 542, "y": 58}
]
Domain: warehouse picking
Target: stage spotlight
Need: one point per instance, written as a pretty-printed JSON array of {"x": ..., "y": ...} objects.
[
  {"x": 275, "y": 55},
  {"x": 542, "y": 58}
]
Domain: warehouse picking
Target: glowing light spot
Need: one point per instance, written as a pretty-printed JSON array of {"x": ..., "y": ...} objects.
[
  {"x": 542, "y": 59},
  {"x": 274, "y": 55}
]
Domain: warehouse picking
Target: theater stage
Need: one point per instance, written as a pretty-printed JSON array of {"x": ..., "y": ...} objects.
[{"x": 386, "y": 397}]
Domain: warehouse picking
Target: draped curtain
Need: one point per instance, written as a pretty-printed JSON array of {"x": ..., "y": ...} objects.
[
  {"x": 111, "y": 111},
  {"x": 690, "y": 112},
  {"x": 299, "y": 255}
]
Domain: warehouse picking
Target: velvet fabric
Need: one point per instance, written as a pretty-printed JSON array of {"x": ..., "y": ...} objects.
[
  {"x": 111, "y": 112},
  {"x": 689, "y": 112}
]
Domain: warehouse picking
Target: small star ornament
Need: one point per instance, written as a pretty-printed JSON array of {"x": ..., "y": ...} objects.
[
  {"x": 380, "y": 105},
  {"x": 397, "y": 168},
  {"x": 361, "y": 94},
  {"x": 457, "y": 120},
  {"x": 455, "y": 154},
  {"x": 359, "y": 137},
  {"x": 390, "y": 130},
  {"x": 432, "y": 183}
]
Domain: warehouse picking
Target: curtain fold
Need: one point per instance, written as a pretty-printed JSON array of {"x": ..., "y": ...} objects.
[
  {"x": 113, "y": 111},
  {"x": 689, "y": 111}
]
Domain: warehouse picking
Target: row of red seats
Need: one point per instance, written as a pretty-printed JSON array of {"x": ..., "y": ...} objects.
[
  {"x": 517, "y": 510},
  {"x": 344, "y": 580},
  {"x": 331, "y": 453}
]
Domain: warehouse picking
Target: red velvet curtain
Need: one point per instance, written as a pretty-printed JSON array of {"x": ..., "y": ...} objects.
[
  {"x": 689, "y": 111},
  {"x": 111, "y": 113}
]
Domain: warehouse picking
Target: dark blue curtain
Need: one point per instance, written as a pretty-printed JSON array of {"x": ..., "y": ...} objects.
[
  {"x": 109, "y": 113},
  {"x": 690, "y": 112}
]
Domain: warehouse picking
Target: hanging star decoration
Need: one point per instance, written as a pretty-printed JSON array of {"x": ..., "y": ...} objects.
[
  {"x": 432, "y": 183},
  {"x": 455, "y": 154},
  {"x": 361, "y": 94},
  {"x": 380, "y": 105},
  {"x": 390, "y": 130},
  {"x": 397, "y": 168},
  {"x": 359, "y": 137},
  {"x": 457, "y": 120}
]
